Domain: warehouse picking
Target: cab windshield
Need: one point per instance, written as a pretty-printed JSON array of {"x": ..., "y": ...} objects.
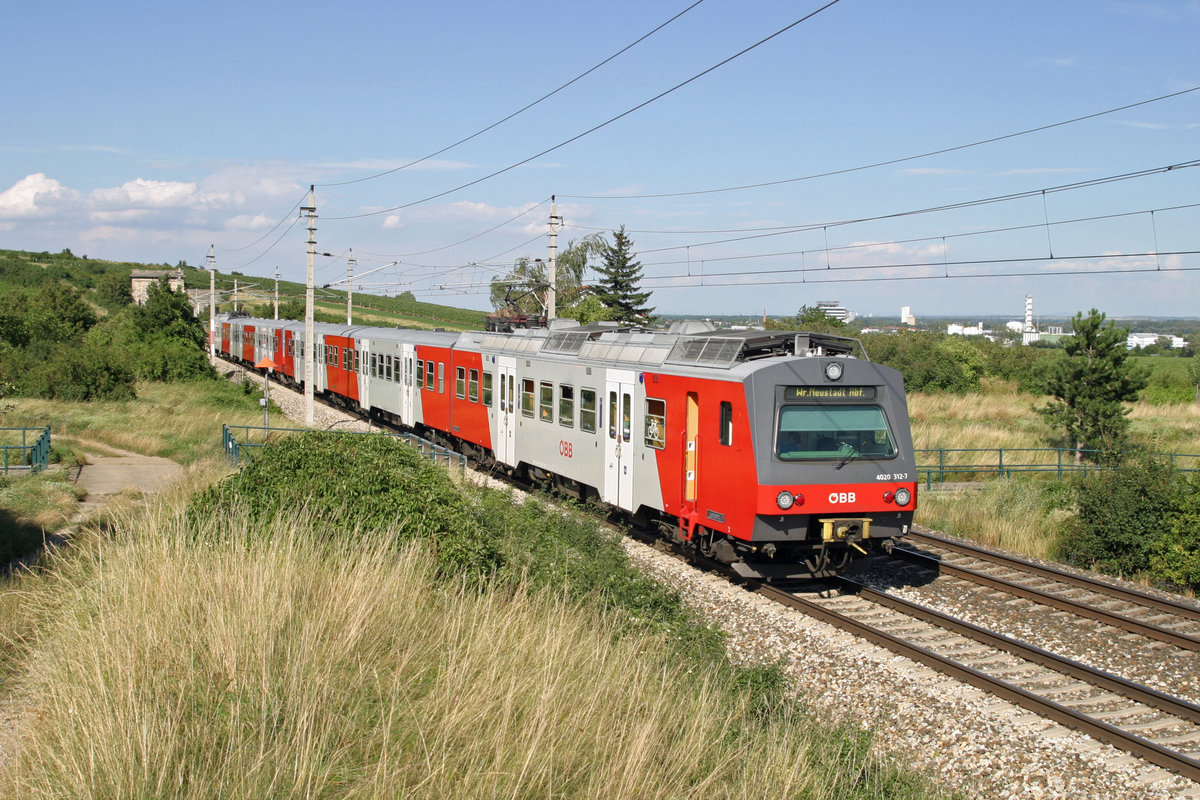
[{"x": 811, "y": 432}]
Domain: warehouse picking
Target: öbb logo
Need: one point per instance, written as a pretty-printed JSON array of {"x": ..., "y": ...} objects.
[{"x": 841, "y": 497}]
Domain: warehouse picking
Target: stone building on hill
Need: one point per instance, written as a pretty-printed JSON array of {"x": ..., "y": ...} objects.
[{"x": 140, "y": 280}]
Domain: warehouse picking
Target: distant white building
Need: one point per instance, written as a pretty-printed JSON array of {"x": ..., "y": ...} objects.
[
  {"x": 1015, "y": 325},
  {"x": 906, "y": 317},
  {"x": 835, "y": 310},
  {"x": 966, "y": 330},
  {"x": 1147, "y": 339}
]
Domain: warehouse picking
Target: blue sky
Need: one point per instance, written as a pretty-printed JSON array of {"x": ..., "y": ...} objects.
[{"x": 148, "y": 131}]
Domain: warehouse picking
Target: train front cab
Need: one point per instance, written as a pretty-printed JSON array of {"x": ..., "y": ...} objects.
[{"x": 836, "y": 469}]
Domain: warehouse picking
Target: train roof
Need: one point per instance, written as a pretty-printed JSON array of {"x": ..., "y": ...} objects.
[{"x": 686, "y": 344}]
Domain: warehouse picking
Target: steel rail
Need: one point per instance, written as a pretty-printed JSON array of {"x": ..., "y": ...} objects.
[
  {"x": 1112, "y": 618},
  {"x": 1105, "y": 680},
  {"x": 1131, "y": 595},
  {"x": 1124, "y": 740}
]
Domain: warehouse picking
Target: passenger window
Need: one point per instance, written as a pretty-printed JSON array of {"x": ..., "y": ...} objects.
[
  {"x": 656, "y": 423},
  {"x": 566, "y": 405},
  {"x": 420, "y": 373},
  {"x": 473, "y": 386},
  {"x": 374, "y": 365},
  {"x": 612, "y": 415},
  {"x": 587, "y": 410},
  {"x": 726, "y": 437},
  {"x": 626, "y": 416},
  {"x": 441, "y": 377},
  {"x": 487, "y": 388},
  {"x": 527, "y": 397},
  {"x": 387, "y": 367},
  {"x": 460, "y": 382},
  {"x": 546, "y": 402},
  {"x": 429, "y": 375}
]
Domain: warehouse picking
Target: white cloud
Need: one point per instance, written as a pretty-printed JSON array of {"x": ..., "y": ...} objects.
[
  {"x": 392, "y": 222},
  {"x": 35, "y": 196},
  {"x": 250, "y": 222},
  {"x": 142, "y": 193}
]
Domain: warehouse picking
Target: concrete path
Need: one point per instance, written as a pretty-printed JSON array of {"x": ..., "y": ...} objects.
[{"x": 103, "y": 476}]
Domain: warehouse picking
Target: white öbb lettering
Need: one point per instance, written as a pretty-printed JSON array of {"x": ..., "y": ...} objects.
[{"x": 841, "y": 497}]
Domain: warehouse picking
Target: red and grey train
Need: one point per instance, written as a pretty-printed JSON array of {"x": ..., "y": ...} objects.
[{"x": 779, "y": 453}]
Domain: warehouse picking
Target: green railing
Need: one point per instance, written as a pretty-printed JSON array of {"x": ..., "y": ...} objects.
[
  {"x": 27, "y": 456},
  {"x": 242, "y": 441},
  {"x": 942, "y": 464}
]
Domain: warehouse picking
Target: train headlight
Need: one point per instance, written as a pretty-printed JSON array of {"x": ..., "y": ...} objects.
[
  {"x": 833, "y": 370},
  {"x": 784, "y": 500},
  {"x": 903, "y": 496}
]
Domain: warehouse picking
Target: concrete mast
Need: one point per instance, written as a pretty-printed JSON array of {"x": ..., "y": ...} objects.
[
  {"x": 309, "y": 335},
  {"x": 212, "y": 301}
]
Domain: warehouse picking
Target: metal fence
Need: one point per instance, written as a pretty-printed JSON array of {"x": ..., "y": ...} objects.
[
  {"x": 242, "y": 441},
  {"x": 942, "y": 464},
  {"x": 28, "y": 456}
]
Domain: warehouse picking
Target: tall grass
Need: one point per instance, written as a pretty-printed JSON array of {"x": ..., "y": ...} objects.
[
  {"x": 1023, "y": 516},
  {"x": 235, "y": 661}
]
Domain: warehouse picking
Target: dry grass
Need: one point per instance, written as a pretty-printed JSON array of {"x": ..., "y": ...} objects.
[
  {"x": 230, "y": 663},
  {"x": 1018, "y": 515}
]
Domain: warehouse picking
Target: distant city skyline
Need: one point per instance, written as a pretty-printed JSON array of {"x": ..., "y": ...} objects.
[{"x": 951, "y": 157}]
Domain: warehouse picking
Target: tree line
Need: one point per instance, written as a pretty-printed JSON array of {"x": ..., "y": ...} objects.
[{"x": 58, "y": 341}]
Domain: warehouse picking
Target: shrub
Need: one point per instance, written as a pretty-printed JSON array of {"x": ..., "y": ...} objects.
[
  {"x": 1175, "y": 552},
  {"x": 348, "y": 484},
  {"x": 1121, "y": 511}
]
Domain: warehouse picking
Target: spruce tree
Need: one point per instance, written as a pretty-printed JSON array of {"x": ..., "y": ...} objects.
[
  {"x": 619, "y": 279},
  {"x": 1089, "y": 387}
]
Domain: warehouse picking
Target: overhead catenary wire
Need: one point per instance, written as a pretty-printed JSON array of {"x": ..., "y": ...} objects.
[
  {"x": 811, "y": 226},
  {"x": 521, "y": 110},
  {"x": 888, "y": 162},
  {"x": 594, "y": 128}
]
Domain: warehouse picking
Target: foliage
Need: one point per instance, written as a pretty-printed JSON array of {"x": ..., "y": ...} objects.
[
  {"x": 1090, "y": 385},
  {"x": 350, "y": 483},
  {"x": 1175, "y": 551},
  {"x": 930, "y": 362},
  {"x": 113, "y": 291},
  {"x": 66, "y": 371},
  {"x": 1120, "y": 513},
  {"x": 619, "y": 281},
  {"x": 588, "y": 310},
  {"x": 810, "y": 319},
  {"x": 523, "y": 289}
]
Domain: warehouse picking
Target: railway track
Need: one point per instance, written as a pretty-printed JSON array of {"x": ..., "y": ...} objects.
[
  {"x": 1154, "y": 617},
  {"x": 1155, "y": 726}
]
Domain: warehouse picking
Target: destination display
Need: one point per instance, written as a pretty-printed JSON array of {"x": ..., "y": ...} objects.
[{"x": 829, "y": 393}]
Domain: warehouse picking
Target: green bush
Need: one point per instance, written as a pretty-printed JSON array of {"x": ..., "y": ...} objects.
[
  {"x": 1121, "y": 512},
  {"x": 348, "y": 483},
  {"x": 1175, "y": 552}
]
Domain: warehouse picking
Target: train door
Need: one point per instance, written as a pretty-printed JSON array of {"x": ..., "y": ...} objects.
[
  {"x": 691, "y": 443},
  {"x": 506, "y": 407},
  {"x": 407, "y": 384},
  {"x": 365, "y": 376},
  {"x": 618, "y": 447}
]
